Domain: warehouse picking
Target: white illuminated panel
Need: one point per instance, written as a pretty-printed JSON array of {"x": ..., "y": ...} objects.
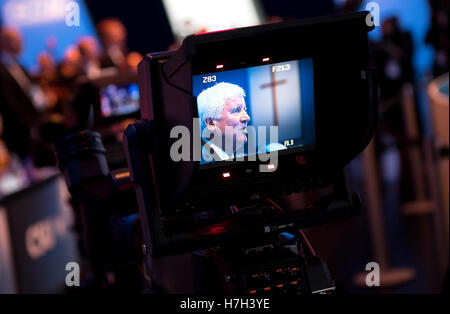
[{"x": 194, "y": 16}]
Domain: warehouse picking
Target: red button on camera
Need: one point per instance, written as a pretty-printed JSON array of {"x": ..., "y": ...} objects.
[{"x": 300, "y": 159}]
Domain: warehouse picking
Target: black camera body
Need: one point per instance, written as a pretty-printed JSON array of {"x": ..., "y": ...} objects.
[
  {"x": 221, "y": 225},
  {"x": 172, "y": 194}
]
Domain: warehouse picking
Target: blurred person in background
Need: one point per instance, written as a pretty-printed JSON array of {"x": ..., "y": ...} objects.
[
  {"x": 71, "y": 66},
  {"x": 437, "y": 35},
  {"x": 393, "y": 58},
  {"x": 113, "y": 37},
  {"x": 27, "y": 103},
  {"x": 46, "y": 68},
  {"x": 46, "y": 75},
  {"x": 90, "y": 56},
  {"x": 16, "y": 101},
  {"x": 69, "y": 70},
  {"x": 51, "y": 123}
]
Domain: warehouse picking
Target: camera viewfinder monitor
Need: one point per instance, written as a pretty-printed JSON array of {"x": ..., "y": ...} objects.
[
  {"x": 115, "y": 96},
  {"x": 119, "y": 99},
  {"x": 255, "y": 98}
]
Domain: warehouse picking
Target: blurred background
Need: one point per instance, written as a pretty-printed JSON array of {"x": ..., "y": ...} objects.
[{"x": 58, "y": 55}]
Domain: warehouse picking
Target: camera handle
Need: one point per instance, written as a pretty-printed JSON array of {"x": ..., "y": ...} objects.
[{"x": 137, "y": 141}]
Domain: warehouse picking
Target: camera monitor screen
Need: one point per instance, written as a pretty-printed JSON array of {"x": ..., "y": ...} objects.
[
  {"x": 119, "y": 100},
  {"x": 253, "y": 110}
]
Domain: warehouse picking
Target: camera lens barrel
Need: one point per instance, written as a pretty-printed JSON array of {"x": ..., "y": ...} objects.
[{"x": 81, "y": 156}]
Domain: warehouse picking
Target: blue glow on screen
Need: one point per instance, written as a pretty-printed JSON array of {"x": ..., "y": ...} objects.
[{"x": 41, "y": 20}]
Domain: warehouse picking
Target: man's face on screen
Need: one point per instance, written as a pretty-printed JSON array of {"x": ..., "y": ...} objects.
[{"x": 234, "y": 116}]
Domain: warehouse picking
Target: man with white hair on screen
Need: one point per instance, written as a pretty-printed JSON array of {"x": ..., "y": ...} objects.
[{"x": 223, "y": 113}]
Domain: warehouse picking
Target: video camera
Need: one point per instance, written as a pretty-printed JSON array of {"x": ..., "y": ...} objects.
[
  {"x": 207, "y": 178},
  {"x": 231, "y": 123},
  {"x": 309, "y": 78}
]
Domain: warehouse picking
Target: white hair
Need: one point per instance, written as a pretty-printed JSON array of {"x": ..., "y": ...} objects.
[{"x": 211, "y": 100}]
